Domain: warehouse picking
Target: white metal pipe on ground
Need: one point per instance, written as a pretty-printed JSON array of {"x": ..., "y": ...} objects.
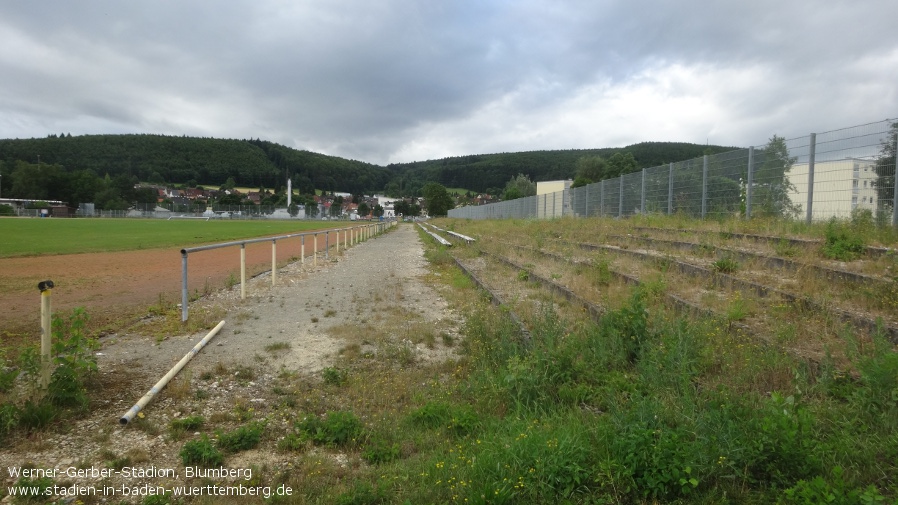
[{"x": 129, "y": 415}]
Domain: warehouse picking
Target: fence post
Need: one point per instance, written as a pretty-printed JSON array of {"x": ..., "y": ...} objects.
[
  {"x": 704, "y": 185},
  {"x": 620, "y": 198},
  {"x": 274, "y": 262},
  {"x": 642, "y": 200},
  {"x": 895, "y": 186},
  {"x": 586, "y": 202},
  {"x": 750, "y": 182},
  {"x": 183, "y": 285},
  {"x": 670, "y": 191},
  {"x": 602, "y": 198},
  {"x": 46, "y": 289},
  {"x": 315, "y": 249},
  {"x": 327, "y": 245},
  {"x": 243, "y": 271},
  {"x": 811, "y": 155},
  {"x": 302, "y": 249}
]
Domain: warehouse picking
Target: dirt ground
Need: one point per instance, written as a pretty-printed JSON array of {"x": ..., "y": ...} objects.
[
  {"x": 291, "y": 330},
  {"x": 116, "y": 287}
]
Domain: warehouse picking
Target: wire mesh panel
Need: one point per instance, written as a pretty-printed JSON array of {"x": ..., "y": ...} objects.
[
  {"x": 578, "y": 202},
  {"x": 631, "y": 198},
  {"x": 727, "y": 173},
  {"x": 687, "y": 187},
  {"x": 853, "y": 173},
  {"x": 591, "y": 195},
  {"x": 657, "y": 181},
  {"x": 774, "y": 174},
  {"x": 610, "y": 196},
  {"x": 847, "y": 173}
]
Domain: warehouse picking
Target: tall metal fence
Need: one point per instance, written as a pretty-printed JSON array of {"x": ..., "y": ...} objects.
[{"x": 812, "y": 178}]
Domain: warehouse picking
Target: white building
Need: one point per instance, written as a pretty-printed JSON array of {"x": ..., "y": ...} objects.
[
  {"x": 840, "y": 186},
  {"x": 553, "y": 198}
]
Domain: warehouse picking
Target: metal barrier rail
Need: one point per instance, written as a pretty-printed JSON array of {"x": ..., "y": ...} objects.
[{"x": 351, "y": 235}]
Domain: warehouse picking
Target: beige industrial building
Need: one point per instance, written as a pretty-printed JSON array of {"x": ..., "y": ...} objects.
[
  {"x": 840, "y": 186},
  {"x": 553, "y": 198}
]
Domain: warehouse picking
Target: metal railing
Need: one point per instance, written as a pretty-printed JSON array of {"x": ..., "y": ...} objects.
[
  {"x": 350, "y": 236},
  {"x": 814, "y": 178}
]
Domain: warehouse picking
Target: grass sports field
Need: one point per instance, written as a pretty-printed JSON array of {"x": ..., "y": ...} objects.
[
  {"x": 35, "y": 237},
  {"x": 117, "y": 268}
]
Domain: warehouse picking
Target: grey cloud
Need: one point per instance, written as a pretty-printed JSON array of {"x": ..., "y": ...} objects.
[{"x": 367, "y": 80}]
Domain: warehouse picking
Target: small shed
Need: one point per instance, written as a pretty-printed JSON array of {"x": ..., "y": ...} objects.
[{"x": 62, "y": 211}]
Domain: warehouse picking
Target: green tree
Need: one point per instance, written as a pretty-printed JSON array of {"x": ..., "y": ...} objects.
[
  {"x": 230, "y": 199},
  {"x": 770, "y": 194},
  {"x": 590, "y": 169},
  {"x": 620, "y": 164},
  {"x": 363, "y": 209},
  {"x": 378, "y": 211},
  {"x": 519, "y": 186},
  {"x": 337, "y": 206},
  {"x": 437, "y": 199}
]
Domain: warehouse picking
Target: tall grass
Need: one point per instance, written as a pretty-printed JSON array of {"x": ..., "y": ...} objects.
[{"x": 645, "y": 408}]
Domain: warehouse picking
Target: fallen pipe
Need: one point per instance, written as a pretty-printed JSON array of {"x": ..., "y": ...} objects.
[{"x": 129, "y": 415}]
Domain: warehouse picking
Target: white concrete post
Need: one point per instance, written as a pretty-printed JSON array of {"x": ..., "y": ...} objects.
[
  {"x": 274, "y": 262},
  {"x": 243, "y": 271},
  {"x": 46, "y": 289}
]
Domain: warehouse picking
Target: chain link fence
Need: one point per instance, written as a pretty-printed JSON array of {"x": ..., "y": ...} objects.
[{"x": 813, "y": 178}]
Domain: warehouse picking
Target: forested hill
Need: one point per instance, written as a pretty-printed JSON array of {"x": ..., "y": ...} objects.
[
  {"x": 492, "y": 171},
  {"x": 259, "y": 163},
  {"x": 192, "y": 160}
]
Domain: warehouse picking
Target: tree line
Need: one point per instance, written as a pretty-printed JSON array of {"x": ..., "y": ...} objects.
[{"x": 104, "y": 169}]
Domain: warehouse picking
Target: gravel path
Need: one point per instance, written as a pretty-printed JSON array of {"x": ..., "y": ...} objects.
[{"x": 352, "y": 286}]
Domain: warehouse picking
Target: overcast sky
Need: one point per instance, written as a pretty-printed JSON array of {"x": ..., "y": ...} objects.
[{"x": 402, "y": 80}]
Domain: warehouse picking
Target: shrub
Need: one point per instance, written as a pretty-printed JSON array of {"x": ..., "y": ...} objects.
[
  {"x": 779, "y": 447},
  {"x": 243, "y": 438},
  {"x": 201, "y": 452},
  {"x": 333, "y": 376},
  {"x": 9, "y": 417},
  {"x": 725, "y": 265},
  {"x": 529, "y": 461},
  {"x": 336, "y": 428},
  {"x": 841, "y": 242},
  {"x": 656, "y": 457},
  {"x": 190, "y": 423},
  {"x": 36, "y": 415},
  {"x": 37, "y": 489},
  {"x": 457, "y": 420},
  {"x": 834, "y": 490},
  {"x": 629, "y": 326},
  {"x": 380, "y": 450}
]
